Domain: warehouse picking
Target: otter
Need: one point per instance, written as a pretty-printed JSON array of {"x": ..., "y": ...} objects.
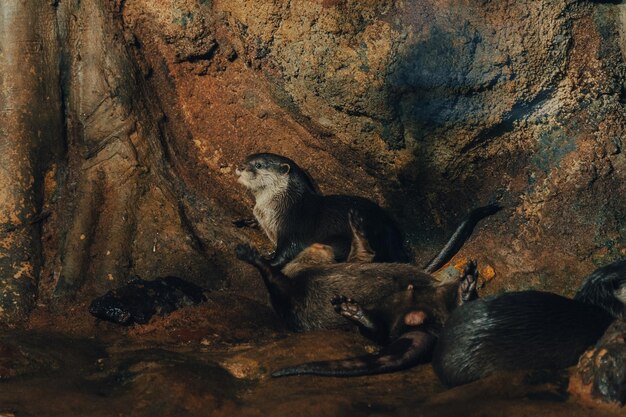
[
  {"x": 529, "y": 329},
  {"x": 294, "y": 215},
  {"x": 407, "y": 323},
  {"x": 300, "y": 291}
]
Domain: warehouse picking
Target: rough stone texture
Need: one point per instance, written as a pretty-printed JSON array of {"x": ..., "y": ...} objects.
[
  {"x": 123, "y": 121},
  {"x": 430, "y": 108},
  {"x": 30, "y": 138},
  {"x": 601, "y": 371}
]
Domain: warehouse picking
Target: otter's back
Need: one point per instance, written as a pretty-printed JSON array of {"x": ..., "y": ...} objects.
[{"x": 519, "y": 330}]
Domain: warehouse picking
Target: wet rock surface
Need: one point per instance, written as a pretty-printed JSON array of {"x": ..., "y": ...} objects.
[
  {"x": 120, "y": 378},
  {"x": 601, "y": 370},
  {"x": 209, "y": 360}
]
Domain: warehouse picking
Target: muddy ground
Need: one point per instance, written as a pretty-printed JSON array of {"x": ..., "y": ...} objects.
[{"x": 215, "y": 359}]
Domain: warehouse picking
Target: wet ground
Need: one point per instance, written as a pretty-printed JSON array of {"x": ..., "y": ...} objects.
[{"x": 214, "y": 360}]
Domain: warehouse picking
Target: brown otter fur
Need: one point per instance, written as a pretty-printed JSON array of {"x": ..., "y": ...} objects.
[
  {"x": 407, "y": 324},
  {"x": 294, "y": 214},
  {"x": 400, "y": 306}
]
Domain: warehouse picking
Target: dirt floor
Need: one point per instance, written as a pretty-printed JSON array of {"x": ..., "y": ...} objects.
[{"x": 215, "y": 359}]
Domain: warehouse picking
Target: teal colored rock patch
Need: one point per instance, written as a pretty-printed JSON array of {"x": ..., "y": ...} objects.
[
  {"x": 553, "y": 145},
  {"x": 185, "y": 19}
]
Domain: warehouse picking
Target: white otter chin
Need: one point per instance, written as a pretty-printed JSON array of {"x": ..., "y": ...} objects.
[
  {"x": 245, "y": 178},
  {"x": 269, "y": 191}
]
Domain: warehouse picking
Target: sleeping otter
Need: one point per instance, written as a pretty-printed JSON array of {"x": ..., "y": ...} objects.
[
  {"x": 406, "y": 322},
  {"x": 301, "y": 290},
  {"x": 529, "y": 329},
  {"x": 399, "y": 305}
]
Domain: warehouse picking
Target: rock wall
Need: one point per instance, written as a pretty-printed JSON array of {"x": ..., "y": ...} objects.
[
  {"x": 30, "y": 142},
  {"x": 429, "y": 107}
]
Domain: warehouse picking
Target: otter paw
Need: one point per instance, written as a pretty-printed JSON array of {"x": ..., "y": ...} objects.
[
  {"x": 337, "y": 300},
  {"x": 467, "y": 286},
  {"x": 471, "y": 268},
  {"x": 246, "y": 252},
  {"x": 348, "y": 308}
]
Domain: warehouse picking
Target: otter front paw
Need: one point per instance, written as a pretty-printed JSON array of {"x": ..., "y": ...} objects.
[
  {"x": 246, "y": 253},
  {"x": 467, "y": 286}
]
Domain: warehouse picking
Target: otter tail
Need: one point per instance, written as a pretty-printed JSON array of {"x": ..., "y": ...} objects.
[
  {"x": 461, "y": 234},
  {"x": 407, "y": 351},
  {"x": 606, "y": 288}
]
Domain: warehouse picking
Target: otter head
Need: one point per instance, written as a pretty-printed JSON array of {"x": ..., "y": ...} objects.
[{"x": 263, "y": 172}]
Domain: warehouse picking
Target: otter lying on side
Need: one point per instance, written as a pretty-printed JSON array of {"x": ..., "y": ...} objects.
[
  {"x": 407, "y": 323},
  {"x": 300, "y": 292},
  {"x": 294, "y": 215},
  {"x": 529, "y": 329},
  {"x": 400, "y": 306}
]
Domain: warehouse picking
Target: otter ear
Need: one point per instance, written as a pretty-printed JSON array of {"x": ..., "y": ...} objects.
[{"x": 284, "y": 169}]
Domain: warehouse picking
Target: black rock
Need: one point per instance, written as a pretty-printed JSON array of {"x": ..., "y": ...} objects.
[
  {"x": 139, "y": 300},
  {"x": 604, "y": 366}
]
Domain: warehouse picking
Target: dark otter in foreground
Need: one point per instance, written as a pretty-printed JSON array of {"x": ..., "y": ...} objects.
[
  {"x": 529, "y": 329},
  {"x": 406, "y": 322},
  {"x": 294, "y": 215}
]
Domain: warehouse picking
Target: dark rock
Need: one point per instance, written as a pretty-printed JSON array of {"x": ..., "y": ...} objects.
[
  {"x": 139, "y": 300},
  {"x": 602, "y": 369},
  {"x": 17, "y": 360}
]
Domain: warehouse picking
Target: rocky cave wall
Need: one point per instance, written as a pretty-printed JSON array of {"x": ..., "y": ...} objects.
[{"x": 430, "y": 108}]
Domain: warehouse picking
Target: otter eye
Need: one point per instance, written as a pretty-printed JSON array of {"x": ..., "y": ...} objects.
[{"x": 257, "y": 165}]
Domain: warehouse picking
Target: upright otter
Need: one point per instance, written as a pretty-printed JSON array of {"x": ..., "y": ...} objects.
[
  {"x": 294, "y": 215},
  {"x": 529, "y": 329}
]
